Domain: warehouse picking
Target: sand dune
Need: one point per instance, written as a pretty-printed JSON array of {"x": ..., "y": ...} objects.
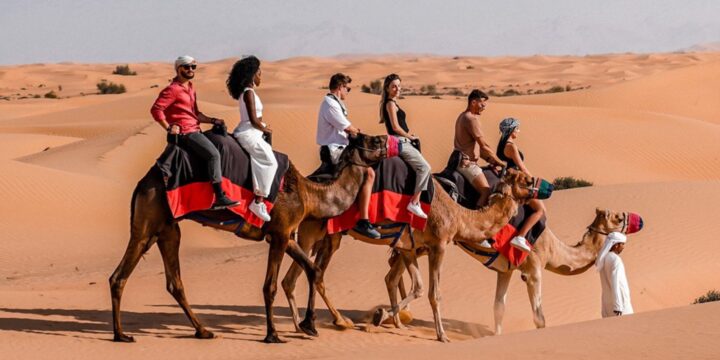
[{"x": 645, "y": 132}]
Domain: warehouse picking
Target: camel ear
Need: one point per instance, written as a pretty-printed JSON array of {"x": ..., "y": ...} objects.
[{"x": 599, "y": 211}]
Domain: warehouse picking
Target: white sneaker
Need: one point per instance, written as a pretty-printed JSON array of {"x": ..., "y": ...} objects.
[
  {"x": 520, "y": 243},
  {"x": 260, "y": 210},
  {"x": 486, "y": 244},
  {"x": 416, "y": 210}
]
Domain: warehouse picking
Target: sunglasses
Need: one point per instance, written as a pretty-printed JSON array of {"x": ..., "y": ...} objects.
[
  {"x": 348, "y": 88},
  {"x": 188, "y": 67}
]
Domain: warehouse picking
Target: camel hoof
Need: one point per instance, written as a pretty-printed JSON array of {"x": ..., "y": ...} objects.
[
  {"x": 123, "y": 338},
  {"x": 308, "y": 327},
  {"x": 204, "y": 334},
  {"x": 273, "y": 339},
  {"x": 344, "y": 323},
  {"x": 443, "y": 339},
  {"x": 380, "y": 316}
]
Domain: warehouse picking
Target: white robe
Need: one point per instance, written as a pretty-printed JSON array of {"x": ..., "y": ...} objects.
[{"x": 615, "y": 289}]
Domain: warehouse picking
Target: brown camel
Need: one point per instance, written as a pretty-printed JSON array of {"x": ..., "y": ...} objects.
[
  {"x": 552, "y": 254},
  {"x": 447, "y": 221},
  {"x": 300, "y": 199}
]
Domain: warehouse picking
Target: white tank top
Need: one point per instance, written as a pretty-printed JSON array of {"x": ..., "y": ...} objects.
[{"x": 245, "y": 123}]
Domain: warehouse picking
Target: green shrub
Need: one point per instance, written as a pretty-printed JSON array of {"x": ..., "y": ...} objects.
[
  {"x": 428, "y": 90},
  {"x": 110, "y": 87},
  {"x": 51, "y": 95},
  {"x": 456, "y": 92},
  {"x": 375, "y": 87},
  {"x": 124, "y": 70},
  {"x": 570, "y": 182},
  {"x": 555, "y": 89},
  {"x": 510, "y": 92},
  {"x": 712, "y": 295}
]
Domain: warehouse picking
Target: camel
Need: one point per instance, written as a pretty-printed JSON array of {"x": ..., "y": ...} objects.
[
  {"x": 447, "y": 222},
  {"x": 552, "y": 254},
  {"x": 151, "y": 222}
]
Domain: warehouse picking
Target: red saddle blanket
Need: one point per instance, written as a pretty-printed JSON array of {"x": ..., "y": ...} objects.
[
  {"x": 394, "y": 186},
  {"x": 502, "y": 245},
  {"x": 187, "y": 180}
]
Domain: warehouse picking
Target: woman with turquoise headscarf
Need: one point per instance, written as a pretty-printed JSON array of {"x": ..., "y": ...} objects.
[{"x": 508, "y": 151}]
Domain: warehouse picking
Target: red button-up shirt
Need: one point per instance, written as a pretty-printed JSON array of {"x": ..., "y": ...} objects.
[{"x": 177, "y": 104}]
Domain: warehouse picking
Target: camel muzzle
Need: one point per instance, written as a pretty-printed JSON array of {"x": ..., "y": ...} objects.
[
  {"x": 541, "y": 189},
  {"x": 633, "y": 223},
  {"x": 393, "y": 146}
]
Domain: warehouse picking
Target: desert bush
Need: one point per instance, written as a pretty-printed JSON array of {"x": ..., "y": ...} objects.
[
  {"x": 36, "y": 96},
  {"x": 712, "y": 295},
  {"x": 555, "y": 89},
  {"x": 510, "y": 92},
  {"x": 375, "y": 87},
  {"x": 124, "y": 70},
  {"x": 436, "y": 97},
  {"x": 428, "y": 90},
  {"x": 570, "y": 182},
  {"x": 456, "y": 92},
  {"x": 51, "y": 95},
  {"x": 492, "y": 92},
  {"x": 469, "y": 67},
  {"x": 110, "y": 88}
]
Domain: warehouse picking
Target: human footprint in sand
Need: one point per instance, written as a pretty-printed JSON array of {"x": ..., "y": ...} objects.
[{"x": 615, "y": 289}]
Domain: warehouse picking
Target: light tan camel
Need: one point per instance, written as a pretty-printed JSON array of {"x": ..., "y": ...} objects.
[
  {"x": 447, "y": 222},
  {"x": 300, "y": 199},
  {"x": 552, "y": 254}
]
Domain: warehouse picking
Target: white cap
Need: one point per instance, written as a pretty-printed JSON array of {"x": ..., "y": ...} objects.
[{"x": 183, "y": 60}]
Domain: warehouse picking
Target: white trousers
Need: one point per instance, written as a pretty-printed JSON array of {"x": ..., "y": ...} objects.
[{"x": 262, "y": 160}]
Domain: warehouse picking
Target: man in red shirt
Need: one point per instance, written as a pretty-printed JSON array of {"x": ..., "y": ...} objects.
[{"x": 177, "y": 112}]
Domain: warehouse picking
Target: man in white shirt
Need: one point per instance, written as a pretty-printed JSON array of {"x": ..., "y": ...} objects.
[
  {"x": 332, "y": 132},
  {"x": 615, "y": 289}
]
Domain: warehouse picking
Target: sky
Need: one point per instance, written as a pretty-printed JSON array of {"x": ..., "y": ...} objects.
[{"x": 35, "y": 31}]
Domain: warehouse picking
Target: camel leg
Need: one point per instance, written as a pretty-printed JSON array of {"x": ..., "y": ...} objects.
[
  {"x": 436, "y": 259},
  {"x": 278, "y": 243},
  {"x": 534, "y": 281},
  {"x": 169, "y": 244},
  {"x": 392, "y": 279},
  {"x": 503, "y": 280},
  {"x": 135, "y": 249},
  {"x": 395, "y": 257},
  {"x": 322, "y": 261},
  {"x": 306, "y": 240},
  {"x": 308, "y": 324}
]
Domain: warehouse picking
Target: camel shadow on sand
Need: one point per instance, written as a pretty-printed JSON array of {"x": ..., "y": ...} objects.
[{"x": 245, "y": 320}]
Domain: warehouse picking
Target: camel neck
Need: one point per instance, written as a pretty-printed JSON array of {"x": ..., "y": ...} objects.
[
  {"x": 329, "y": 200},
  {"x": 478, "y": 225},
  {"x": 571, "y": 260}
]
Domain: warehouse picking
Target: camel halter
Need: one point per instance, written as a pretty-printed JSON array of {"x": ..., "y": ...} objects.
[{"x": 632, "y": 223}]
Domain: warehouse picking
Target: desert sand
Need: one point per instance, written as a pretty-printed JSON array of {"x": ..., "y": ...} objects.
[{"x": 644, "y": 128}]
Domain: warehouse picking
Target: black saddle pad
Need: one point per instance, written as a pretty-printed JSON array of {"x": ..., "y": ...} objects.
[
  {"x": 465, "y": 194},
  {"x": 187, "y": 180}
]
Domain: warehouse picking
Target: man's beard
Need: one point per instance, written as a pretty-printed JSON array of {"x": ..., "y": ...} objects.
[{"x": 189, "y": 77}]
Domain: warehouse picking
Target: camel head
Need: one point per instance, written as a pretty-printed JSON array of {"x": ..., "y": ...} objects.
[
  {"x": 607, "y": 221},
  {"x": 524, "y": 188},
  {"x": 367, "y": 150}
]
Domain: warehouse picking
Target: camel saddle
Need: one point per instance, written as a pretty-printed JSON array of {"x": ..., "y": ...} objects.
[
  {"x": 465, "y": 194},
  {"x": 393, "y": 187},
  {"x": 187, "y": 181}
]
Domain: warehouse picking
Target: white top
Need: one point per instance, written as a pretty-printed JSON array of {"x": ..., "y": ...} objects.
[
  {"x": 332, "y": 122},
  {"x": 245, "y": 124},
  {"x": 615, "y": 289}
]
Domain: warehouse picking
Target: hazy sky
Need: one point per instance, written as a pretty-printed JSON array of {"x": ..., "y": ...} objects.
[{"x": 147, "y": 30}]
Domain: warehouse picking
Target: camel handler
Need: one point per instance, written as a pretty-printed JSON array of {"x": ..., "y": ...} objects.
[
  {"x": 615, "y": 289},
  {"x": 470, "y": 142},
  {"x": 333, "y": 129},
  {"x": 177, "y": 112}
]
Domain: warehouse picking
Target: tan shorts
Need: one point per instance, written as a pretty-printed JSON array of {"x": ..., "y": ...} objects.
[{"x": 471, "y": 171}]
